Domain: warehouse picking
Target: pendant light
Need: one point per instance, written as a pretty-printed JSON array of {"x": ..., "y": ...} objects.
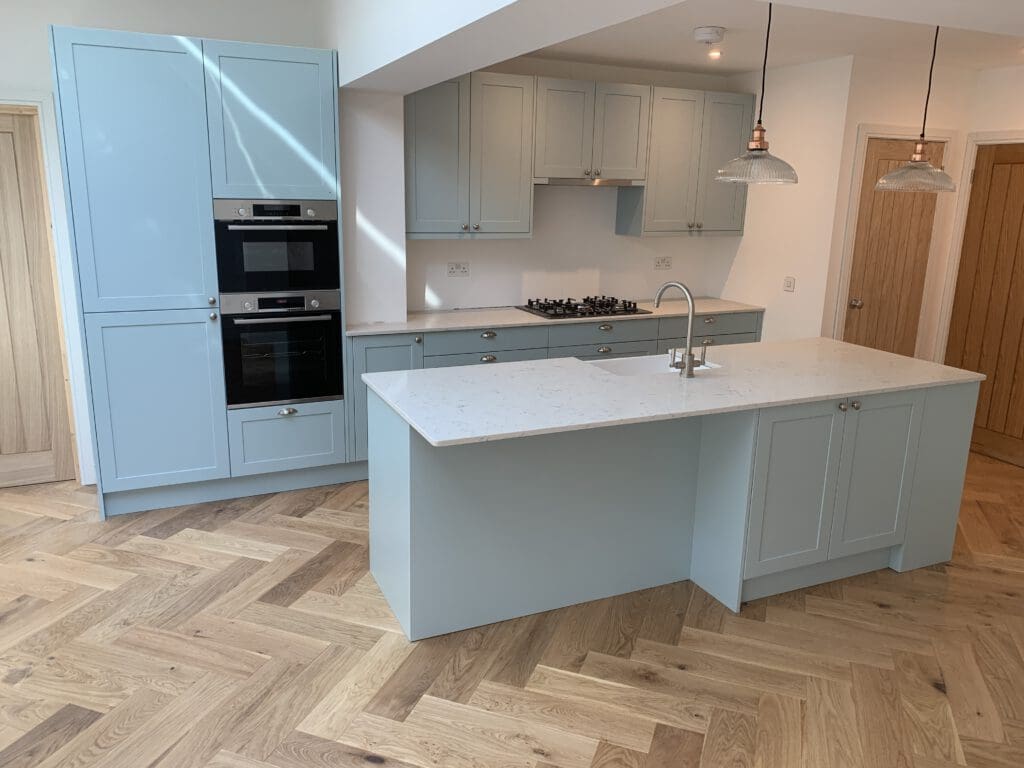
[
  {"x": 919, "y": 175},
  {"x": 757, "y": 165}
]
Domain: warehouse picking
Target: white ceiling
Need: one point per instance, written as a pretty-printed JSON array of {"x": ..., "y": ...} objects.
[{"x": 664, "y": 40}]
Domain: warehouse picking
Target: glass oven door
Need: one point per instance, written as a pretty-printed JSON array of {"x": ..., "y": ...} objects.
[
  {"x": 254, "y": 257},
  {"x": 282, "y": 357}
]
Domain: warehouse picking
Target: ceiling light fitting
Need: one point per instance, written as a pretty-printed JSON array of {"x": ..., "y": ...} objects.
[
  {"x": 711, "y": 37},
  {"x": 919, "y": 175},
  {"x": 757, "y": 165}
]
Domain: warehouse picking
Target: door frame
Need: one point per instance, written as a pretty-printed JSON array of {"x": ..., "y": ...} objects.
[
  {"x": 74, "y": 341},
  {"x": 844, "y": 270},
  {"x": 975, "y": 140}
]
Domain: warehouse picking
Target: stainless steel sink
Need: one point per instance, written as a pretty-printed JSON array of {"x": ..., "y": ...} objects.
[{"x": 646, "y": 365}]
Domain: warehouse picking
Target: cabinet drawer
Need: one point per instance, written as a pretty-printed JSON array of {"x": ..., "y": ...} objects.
[
  {"x": 601, "y": 351},
  {"x": 280, "y": 437},
  {"x": 709, "y": 325},
  {"x": 664, "y": 345},
  {"x": 476, "y": 358},
  {"x": 484, "y": 340},
  {"x": 604, "y": 332}
]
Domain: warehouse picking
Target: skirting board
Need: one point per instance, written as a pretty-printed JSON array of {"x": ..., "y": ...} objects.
[
  {"x": 818, "y": 573},
  {"x": 126, "y": 502}
]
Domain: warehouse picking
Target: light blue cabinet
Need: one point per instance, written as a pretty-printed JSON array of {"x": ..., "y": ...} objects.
[
  {"x": 157, "y": 381},
  {"x": 273, "y": 130},
  {"x": 374, "y": 354},
  {"x": 480, "y": 358},
  {"x": 133, "y": 115},
  {"x": 281, "y": 437}
]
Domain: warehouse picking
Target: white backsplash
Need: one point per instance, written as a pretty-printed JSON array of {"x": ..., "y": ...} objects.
[{"x": 574, "y": 251}]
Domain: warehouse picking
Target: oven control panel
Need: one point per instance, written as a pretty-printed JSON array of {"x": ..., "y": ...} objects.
[
  {"x": 283, "y": 301},
  {"x": 281, "y": 211}
]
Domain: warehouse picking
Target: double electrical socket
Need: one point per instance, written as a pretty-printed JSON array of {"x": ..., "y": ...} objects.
[
  {"x": 663, "y": 262},
  {"x": 458, "y": 269}
]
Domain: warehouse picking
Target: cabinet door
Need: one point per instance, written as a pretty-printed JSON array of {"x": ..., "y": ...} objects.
[
  {"x": 133, "y": 119},
  {"x": 501, "y": 153},
  {"x": 671, "y": 195},
  {"x": 564, "y": 128},
  {"x": 726, "y": 128},
  {"x": 273, "y": 131},
  {"x": 793, "y": 491},
  {"x": 157, "y": 382},
  {"x": 880, "y": 442},
  {"x": 622, "y": 123},
  {"x": 437, "y": 158},
  {"x": 277, "y": 438},
  {"x": 374, "y": 354}
]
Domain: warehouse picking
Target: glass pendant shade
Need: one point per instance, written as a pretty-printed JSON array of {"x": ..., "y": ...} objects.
[
  {"x": 757, "y": 166},
  {"x": 916, "y": 176}
]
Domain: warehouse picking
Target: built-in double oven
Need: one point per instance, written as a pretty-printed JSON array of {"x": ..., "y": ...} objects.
[{"x": 278, "y": 269}]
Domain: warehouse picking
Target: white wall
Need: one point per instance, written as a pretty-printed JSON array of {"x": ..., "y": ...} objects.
[
  {"x": 997, "y": 100},
  {"x": 789, "y": 228}
]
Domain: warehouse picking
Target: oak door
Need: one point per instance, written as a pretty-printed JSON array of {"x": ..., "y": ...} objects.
[
  {"x": 986, "y": 331},
  {"x": 890, "y": 253},
  {"x": 35, "y": 432}
]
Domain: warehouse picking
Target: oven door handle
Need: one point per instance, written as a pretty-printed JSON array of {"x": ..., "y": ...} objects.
[
  {"x": 277, "y": 227},
  {"x": 266, "y": 320}
]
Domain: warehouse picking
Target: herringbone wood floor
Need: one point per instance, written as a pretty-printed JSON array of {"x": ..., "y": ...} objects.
[{"x": 248, "y": 633}]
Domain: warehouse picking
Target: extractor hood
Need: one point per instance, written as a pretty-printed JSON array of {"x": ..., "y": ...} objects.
[{"x": 554, "y": 181}]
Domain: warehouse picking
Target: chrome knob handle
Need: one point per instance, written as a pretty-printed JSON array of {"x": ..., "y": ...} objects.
[
  {"x": 287, "y": 412},
  {"x": 708, "y": 342},
  {"x": 700, "y": 225},
  {"x": 489, "y": 335},
  {"x": 586, "y": 172},
  {"x": 856, "y": 405},
  {"x": 843, "y": 406},
  {"x": 488, "y": 359},
  {"x": 689, "y": 225},
  {"x": 604, "y": 350},
  {"x": 418, "y": 339},
  {"x": 710, "y": 320},
  {"x": 604, "y": 327},
  {"x": 212, "y": 301},
  {"x": 465, "y": 227},
  {"x": 476, "y": 227},
  {"x": 856, "y": 303},
  {"x": 597, "y": 171},
  {"x": 213, "y": 316}
]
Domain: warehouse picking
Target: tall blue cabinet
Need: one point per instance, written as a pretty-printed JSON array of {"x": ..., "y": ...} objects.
[{"x": 153, "y": 128}]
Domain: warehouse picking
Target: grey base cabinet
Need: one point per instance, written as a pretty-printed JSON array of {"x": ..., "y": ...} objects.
[
  {"x": 277, "y": 438},
  {"x": 831, "y": 479},
  {"x": 157, "y": 381}
]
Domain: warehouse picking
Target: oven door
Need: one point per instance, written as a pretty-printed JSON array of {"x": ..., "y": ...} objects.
[
  {"x": 282, "y": 357},
  {"x": 260, "y": 257}
]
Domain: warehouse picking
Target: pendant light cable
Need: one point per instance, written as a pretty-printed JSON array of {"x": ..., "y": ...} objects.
[
  {"x": 931, "y": 71},
  {"x": 764, "y": 64}
]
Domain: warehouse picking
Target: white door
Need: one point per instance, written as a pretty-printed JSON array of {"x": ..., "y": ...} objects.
[
  {"x": 565, "y": 128},
  {"x": 437, "y": 158},
  {"x": 501, "y": 153},
  {"x": 622, "y": 124},
  {"x": 726, "y": 128},
  {"x": 671, "y": 194},
  {"x": 793, "y": 491},
  {"x": 876, "y": 471}
]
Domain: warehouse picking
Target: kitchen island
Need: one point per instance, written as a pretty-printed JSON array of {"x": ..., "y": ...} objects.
[{"x": 499, "y": 491}]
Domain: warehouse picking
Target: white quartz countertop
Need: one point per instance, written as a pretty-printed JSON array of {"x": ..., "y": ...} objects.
[
  {"x": 479, "y": 403},
  {"x": 497, "y": 317}
]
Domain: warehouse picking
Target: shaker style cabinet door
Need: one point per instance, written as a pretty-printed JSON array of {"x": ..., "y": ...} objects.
[
  {"x": 793, "y": 491},
  {"x": 375, "y": 354},
  {"x": 622, "y": 123},
  {"x": 158, "y": 397},
  {"x": 675, "y": 150},
  {"x": 727, "y": 121},
  {"x": 564, "y": 129},
  {"x": 437, "y": 158},
  {"x": 273, "y": 130},
  {"x": 876, "y": 472},
  {"x": 501, "y": 153},
  {"x": 133, "y": 119}
]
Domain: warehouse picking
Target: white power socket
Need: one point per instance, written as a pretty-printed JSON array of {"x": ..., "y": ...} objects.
[
  {"x": 789, "y": 284},
  {"x": 458, "y": 269},
  {"x": 663, "y": 262}
]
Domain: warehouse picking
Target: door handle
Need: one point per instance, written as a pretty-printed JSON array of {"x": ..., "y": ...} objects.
[
  {"x": 856, "y": 303},
  {"x": 488, "y": 335},
  {"x": 277, "y": 227},
  {"x": 604, "y": 327},
  {"x": 269, "y": 320},
  {"x": 843, "y": 406},
  {"x": 604, "y": 350},
  {"x": 488, "y": 359},
  {"x": 287, "y": 412},
  {"x": 855, "y": 405}
]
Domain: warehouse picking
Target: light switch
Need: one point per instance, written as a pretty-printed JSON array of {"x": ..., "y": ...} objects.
[{"x": 789, "y": 284}]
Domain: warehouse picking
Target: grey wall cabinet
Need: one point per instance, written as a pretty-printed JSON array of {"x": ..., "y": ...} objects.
[
  {"x": 692, "y": 134},
  {"x": 831, "y": 479},
  {"x": 273, "y": 131},
  {"x": 469, "y": 157},
  {"x": 591, "y": 130},
  {"x": 374, "y": 354}
]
